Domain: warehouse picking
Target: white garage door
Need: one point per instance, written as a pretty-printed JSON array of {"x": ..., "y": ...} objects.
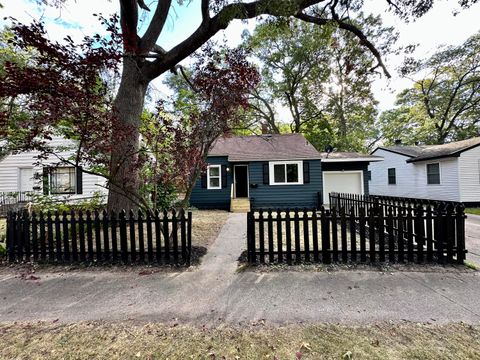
[{"x": 350, "y": 182}]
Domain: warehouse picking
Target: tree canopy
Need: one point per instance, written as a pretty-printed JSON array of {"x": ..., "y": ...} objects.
[{"x": 444, "y": 102}]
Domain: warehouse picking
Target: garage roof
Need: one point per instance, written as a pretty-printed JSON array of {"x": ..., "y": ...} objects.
[{"x": 348, "y": 157}]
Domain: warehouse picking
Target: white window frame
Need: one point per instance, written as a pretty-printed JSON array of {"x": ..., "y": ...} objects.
[
  {"x": 439, "y": 173},
  {"x": 214, "y": 177},
  {"x": 388, "y": 177},
  {"x": 271, "y": 173}
]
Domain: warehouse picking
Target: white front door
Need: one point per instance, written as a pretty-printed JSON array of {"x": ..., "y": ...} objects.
[
  {"x": 26, "y": 179},
  {"x": 350, "y": 182}
]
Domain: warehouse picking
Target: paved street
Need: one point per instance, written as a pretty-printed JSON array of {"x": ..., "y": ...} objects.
[
  {"x": 216, "y": 292},
  {"x": 472, "y": 240}
]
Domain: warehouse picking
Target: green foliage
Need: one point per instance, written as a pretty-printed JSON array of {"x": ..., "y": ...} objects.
[
  {"x": 443, "y": 105},
  {"x": 3, "y": 251},
  {"x": 46, "y": 203},
  {"x": 323, "y": 76}
]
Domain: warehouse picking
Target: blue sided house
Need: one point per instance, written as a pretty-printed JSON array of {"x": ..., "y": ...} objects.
[{"x": 279, "y": 171}]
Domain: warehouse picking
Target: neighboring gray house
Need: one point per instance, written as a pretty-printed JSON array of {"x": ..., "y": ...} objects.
[
  {"x": 449, "y": 172},
  {"x": 276, "y": 171}
]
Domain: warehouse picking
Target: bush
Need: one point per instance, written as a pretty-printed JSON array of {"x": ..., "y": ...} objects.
[
  {"x": 3, "y": 251},
  {"x": 47, "y": 203}
]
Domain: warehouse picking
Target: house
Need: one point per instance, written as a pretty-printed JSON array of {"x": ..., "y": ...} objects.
[
  {"x": 448, "y": 172},
  {"x": 23, "y": 173},
  {"x": 276, "y": 171}
]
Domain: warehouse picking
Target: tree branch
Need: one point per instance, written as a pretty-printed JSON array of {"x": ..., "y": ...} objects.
[
  {"x": 354, "y": 30},
  {"x": 157, "y": 23},
  {"x": 220, "y": 21}
]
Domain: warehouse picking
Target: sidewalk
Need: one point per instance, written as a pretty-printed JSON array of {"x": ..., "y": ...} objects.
[{"x": 216, "y": 293}]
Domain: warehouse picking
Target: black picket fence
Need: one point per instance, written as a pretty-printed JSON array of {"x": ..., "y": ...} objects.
[
  {"x": 136, "y": 238},
  {"x": 374, "y": 202},
  {"x": 337, "y": 235}
]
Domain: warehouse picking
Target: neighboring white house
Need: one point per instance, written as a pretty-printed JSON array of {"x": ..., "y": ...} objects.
[
  {"x": 23, "y": 172},
  {"x": 449, "y": 172}
]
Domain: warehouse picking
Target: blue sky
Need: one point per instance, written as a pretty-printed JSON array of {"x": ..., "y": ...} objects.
[{"x": 438, "y": 27}]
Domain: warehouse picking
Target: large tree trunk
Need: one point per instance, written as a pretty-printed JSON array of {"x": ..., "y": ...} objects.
[{"x": 124, "y": 180}]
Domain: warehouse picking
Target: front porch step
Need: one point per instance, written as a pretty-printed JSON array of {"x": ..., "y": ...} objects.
[{"x": 241, "y": 205}]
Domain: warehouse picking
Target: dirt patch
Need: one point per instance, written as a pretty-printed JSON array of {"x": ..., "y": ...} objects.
[
  {"x": 206, "y": 226},
  {"x": 381, "y": 267},
  {"x": 255, "y": 341}
]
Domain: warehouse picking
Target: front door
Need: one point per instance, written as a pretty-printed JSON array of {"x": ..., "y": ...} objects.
[{"x": 241, "y": 181}]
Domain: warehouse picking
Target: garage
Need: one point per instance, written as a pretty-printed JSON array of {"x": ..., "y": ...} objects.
[{"x": 350, "y": 182}]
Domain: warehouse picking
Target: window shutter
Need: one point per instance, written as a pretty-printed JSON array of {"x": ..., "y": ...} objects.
[
  {"x": 204, "y": 179},
  {"x": 266, "y": 179},
  {"x": 224, "y": 176},
  {"x": 79, "y": 180},
  {"x": 45, "y": 181},
  {"x": 306, "y": 172}
]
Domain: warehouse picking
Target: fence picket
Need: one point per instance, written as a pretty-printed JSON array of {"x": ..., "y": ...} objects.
[
  {"x": 66, "y": 241},
  {"x": 89, "y": 236},
  {"x": 296, "y": 225},
  {"x": 270, "y": 236},
  {"x": 175, "y": 236},
  {"x": 334, "y": 235},
  {"x": 34, "y": 236},
  {"x": 141, "y": 238},
  {"x": 288, "y": 227},
  {"x": 148, "y": 221},
  {"x": 106, "y": 237},
  {"x": 98, "y": 239},
  {"x": 279, "y": 236},
  {"x": 306, "y": 240},
  {"x": 353, "y": 236},
  {"x": 133, "y": 240},
  {"x": 371, "y": 236},
  {"x": 81, "y": 235},
  {"x": 73, "y": 230}
]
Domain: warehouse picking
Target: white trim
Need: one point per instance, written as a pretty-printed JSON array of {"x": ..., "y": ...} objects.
[
  {"x": 214, "y": 177},
  {"x": 235, "y": 180},
  {"x": 271, "y": 173},
  {"x": 439, "y": 173},
  {"x": 332, "y": 160},
  {"x": 362, "y": 183}
]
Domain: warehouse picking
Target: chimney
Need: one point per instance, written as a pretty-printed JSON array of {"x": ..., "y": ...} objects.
[
  {"x": 398, "y": 141},
  {"x": 264, "y": 129}
]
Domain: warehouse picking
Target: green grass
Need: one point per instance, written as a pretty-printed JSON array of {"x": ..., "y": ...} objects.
[
  {"x": 475, "y": 211},
  {"x": 127, "y": 340}
]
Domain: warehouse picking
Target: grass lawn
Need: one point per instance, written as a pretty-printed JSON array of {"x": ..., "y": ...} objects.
[
  {"x": 475, "y": 211},
  {"x": 206, "y": 224},
  {"x": 156, "y": 341}
]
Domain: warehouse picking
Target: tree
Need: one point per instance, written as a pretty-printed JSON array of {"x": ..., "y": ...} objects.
[
  {"x": 322, "y": 76},
  {"x": 144, "y": 60},
  {"x": 444, "y": 104},
  {"x": 209, "y": 104}
]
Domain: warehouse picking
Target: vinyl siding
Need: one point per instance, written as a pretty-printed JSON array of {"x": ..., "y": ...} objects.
[
  {"x": 411, "y": 178},
  {"x": 350, "y": 167},
  {"x": 303, "y": 195},
  {"x": 204, "y": 198},
  {"x": 469, "y": 170},
  {"x": 10, "y": 170}
]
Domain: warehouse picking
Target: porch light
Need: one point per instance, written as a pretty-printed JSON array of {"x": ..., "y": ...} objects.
[{"x": 228, "y": 169}]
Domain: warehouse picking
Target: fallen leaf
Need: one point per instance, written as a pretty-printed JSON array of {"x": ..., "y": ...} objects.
[
  {"x": 347, "y": 355},
  {"x": 298, "y": 355}
]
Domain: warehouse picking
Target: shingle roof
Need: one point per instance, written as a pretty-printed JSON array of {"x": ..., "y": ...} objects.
[
  {"x": 264, "y": 147},
  {"x": 426, "y": 152},
  {"x": 348, "y": 156}
]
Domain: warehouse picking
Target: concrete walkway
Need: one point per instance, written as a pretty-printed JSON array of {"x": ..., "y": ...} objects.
[{"x": 217, "y": 293}]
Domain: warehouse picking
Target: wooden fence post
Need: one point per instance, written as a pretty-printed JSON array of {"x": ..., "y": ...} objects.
[
  {"x": 279, "y": 237},
  {"x": 270, "y": 236}
]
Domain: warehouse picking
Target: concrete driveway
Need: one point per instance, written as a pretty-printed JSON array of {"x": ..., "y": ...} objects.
[
  {"x": 472, "y": 238},
  {"x": 217, "y": 293}
]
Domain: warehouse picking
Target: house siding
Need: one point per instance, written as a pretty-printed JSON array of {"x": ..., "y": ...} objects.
[
  {"x": 282, "y": 196},
  {"x": 411, "y": 178},
  {"x": 203, "y": 198},
  {"x": 469, "y": 179},
  {"x": 10, "y": 167},
  {"x": 326, "y": 166}
]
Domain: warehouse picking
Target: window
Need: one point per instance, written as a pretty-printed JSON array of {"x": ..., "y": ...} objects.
[
  {"x": 433, "y": 174},
  {"x": 62, "y": 180},
  {"x": 286, "y": 173},
  {"x": 392, "y": 176},
  {"x": 214, "y": 177}
]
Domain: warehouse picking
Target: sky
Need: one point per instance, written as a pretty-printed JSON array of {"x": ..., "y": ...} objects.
[{"x": 438, "y": 27}]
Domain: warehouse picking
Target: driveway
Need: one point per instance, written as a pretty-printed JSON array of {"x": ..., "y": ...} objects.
[
  {"x": 217, "y": 293},
  {"x": 472, "y": 238}
]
